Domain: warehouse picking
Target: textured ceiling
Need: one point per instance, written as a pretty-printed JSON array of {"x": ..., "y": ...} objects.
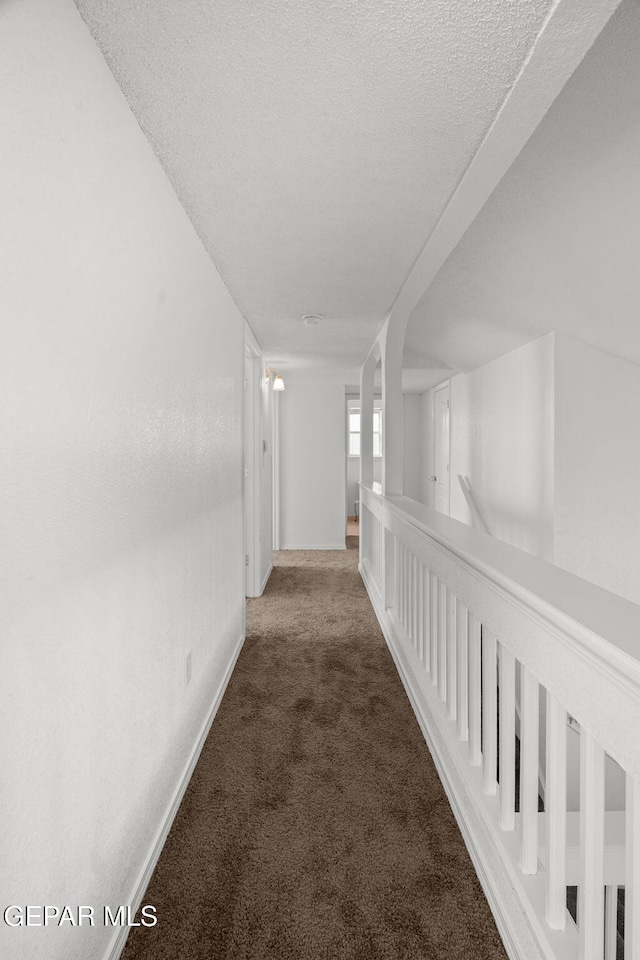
[
  {"x": 315, "y": 144},
  {"x": 556, "y": 246}
]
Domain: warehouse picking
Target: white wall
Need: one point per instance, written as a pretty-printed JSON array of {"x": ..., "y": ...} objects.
[
  {"x": 597, "y": 467},
  {"x": 502, "y": 439},
  {"x": 312, "y": 460},
  {"x": 121, "y": 433},
  {"x": 555, "y": 246},
  {"x": 546, "y": 436}
]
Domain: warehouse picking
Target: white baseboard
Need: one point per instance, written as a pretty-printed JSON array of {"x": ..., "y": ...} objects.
[
  {"x": 516, "y": 901},
  {"x": 312, "y": 546},
  {"x": 120, "y": 936},
  {"x": 266, "y": 579}
]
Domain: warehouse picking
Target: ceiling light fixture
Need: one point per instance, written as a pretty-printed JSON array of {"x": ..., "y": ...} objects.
[
  {"x": 312, "y": 319},
  {"x": 278, "y": 382}
]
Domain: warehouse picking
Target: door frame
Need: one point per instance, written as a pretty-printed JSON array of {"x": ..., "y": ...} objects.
[{"x": 445, "y": 385}]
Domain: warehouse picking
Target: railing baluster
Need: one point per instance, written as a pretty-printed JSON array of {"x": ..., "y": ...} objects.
[
  {"x": 462, "y": 672},
  {"x": 415, "y": 606},
  {"x": 388, "y": 569},
  {"x": 591, "y": 889},
  {"x": 364, "y": 530},
  {"x": 435, "y": 597},
  {"x": 489, "y": 713},
  {"x": 507, "y": 691},
  {"x": 372, "y": 547},
  {"x": 410, "y": 597},
  {"x": 632, "y": 871},
  {"x": 529, "y": 761},
  {"x": 555, "y": 802},
  {"x": 407, "y": 592},
  {"x": 374, "y": 551},
  {"x": 452, "y": 655},
  {"x": 369, "y": 539},
  {"x": 409, "y": 613},
  {"x": 374, "y": 526},
  {"x": 426, "y": 652},
  {"x": 610, "y": 922},
  {"x": 404, "y": 587},
  {"x": 423, "y": 611},
  {"x": 419, "y": 607},
  {"x": 475, "y": 699},
  {"x": 371, "y": 544},
  {"x": 399, "y": 600},
  {"x": 396, "y": 577},
  {"x": 443, "y": 607}
]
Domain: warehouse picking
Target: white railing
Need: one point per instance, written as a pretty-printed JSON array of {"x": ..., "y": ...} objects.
[{"x": 495, "y": 648}]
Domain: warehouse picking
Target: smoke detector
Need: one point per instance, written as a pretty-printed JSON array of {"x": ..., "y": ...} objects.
[{"x": 311, "y": 319}]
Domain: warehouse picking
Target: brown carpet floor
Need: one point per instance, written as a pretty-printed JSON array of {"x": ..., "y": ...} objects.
[{"x": 315, "y": 826}]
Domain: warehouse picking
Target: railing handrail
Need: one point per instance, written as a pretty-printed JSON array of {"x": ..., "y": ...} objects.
[
  {"x": 603, "y": 622},
  {"x": 576, "y": 637},
  {"x": 479, "y": 521}
]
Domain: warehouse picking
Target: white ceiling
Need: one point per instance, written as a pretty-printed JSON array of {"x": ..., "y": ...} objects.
[
  {"x": 556, "y": 246},
  {"x": 315, "y": 144}
]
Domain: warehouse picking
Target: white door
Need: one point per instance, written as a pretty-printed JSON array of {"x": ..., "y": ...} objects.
[{"x": 440, "y": 476}]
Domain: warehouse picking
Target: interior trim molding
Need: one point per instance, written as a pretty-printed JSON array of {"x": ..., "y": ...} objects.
[{"x": 119, "y": 939}]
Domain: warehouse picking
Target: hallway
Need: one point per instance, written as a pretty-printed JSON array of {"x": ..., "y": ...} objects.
[
  {"x": 315, "y": 825},
  {"x": 267, "y": 265}
]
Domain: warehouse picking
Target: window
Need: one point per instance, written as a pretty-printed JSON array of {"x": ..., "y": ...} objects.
[{"x": 353, "y": 428}]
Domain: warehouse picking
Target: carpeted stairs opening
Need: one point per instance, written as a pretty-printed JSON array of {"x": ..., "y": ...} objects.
[{"x": 315, "y": 826}]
